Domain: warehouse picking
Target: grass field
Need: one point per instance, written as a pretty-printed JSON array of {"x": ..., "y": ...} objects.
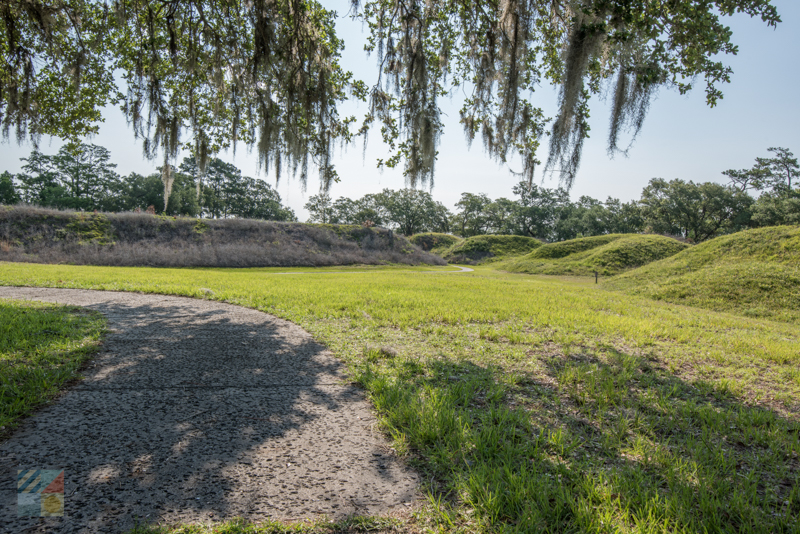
[
  {"x": 606, "y": 254},
  {"x": 535, "y": 404},
  {"x": 42, "y": 347},
  {"x": 754, "y": 273},
  {"x": 342, "y": 269}
]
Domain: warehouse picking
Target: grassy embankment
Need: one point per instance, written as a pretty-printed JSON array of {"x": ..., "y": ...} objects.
[
  {"x": 754, "y": 273},
  {"x": 534, "y": 404},
  {"x": 490, "y": 248},
  {"x": 42, "y": 347},
  {"x": 607, "y": 254},
  {"x": 42, "y": 235},
  {"x": 434, "y": 242}
]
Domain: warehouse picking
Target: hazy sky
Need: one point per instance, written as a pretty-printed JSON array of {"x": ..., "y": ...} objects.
[{"x": 682, "y": 137}]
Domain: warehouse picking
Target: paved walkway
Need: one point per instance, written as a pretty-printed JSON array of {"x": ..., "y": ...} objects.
[{"x": 201, "y": 411}]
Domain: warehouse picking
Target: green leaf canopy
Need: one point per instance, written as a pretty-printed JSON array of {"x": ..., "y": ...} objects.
[{"x": 207, "y": 75}]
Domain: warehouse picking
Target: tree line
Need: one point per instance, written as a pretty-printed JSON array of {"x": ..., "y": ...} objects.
[
  {"x": 693, "y": 211},
  {"x": 81, "y": 177}
]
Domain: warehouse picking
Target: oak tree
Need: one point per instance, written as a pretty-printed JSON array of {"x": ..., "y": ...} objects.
[
  {"x": 694, "y": 211},
  {"x": 209, "y": 74}
]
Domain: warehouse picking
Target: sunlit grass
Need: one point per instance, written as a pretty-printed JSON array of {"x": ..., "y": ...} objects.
[
  {"x": 606, "y": 254},
  {"x": 344, "y": 269},
  {"x": 536, "y": 404},
  {"x": 754, "y": 273}
]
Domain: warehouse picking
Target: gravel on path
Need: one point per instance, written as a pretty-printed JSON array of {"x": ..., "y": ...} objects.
[{"x": 200, "y": 411}]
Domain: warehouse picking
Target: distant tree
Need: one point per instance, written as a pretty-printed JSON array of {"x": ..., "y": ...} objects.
[
  {"x": 223, "y": 192},
  {"x": 411, "y": 211},
  {"x": 365, "y": 210},
  {"x": 42, "y": 188},
  {"x": 438, "y": 219},
  {"x": 594, "y": 217},
  {"x": 501, "y": 216},
  {"x": 216, "y": 189},
  {"x": 262, "y": 201},
  {"x": 776, "y": 208},
  {"x": 344, "y": 211},
  {"x": 539, "y": 210},
  {"x": 777, "y": 178},
  {"x": 471, "y": 217},
  {"x": 775, "y": 173},
  {"x": 368, "y": 209},
  {"x": 182, "y": 197},
  {"x": 134, "y": 191},
  {"x": 626, "y": 217},
  {"x": 694, "y": 211},
  {"x": 568, "y": 221},
  {"x": 140, "y": 192},
  {"x": 79, "y": 176},
  {"x": 783, "y": 168},
  {"x": 8, "y": 193},
  {"x": 745, "y": 179},
  {"x": 586, "y": 217},
  {"x": 320, "y": 208}
]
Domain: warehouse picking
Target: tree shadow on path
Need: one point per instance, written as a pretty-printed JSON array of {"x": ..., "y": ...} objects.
[{"x": 199, "y": 411}]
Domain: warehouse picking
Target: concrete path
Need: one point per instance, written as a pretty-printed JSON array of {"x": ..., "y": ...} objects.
[{"x": 201, "y": 411}]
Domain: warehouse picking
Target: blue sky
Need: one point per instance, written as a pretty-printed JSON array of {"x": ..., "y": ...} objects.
[{"x": 682, "y": 137}]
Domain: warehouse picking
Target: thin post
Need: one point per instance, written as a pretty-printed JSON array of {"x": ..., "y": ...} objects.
[{"x": 595, "y": 276}]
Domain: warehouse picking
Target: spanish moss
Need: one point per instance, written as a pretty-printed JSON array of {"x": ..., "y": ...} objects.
[
  {"x": 633, "y": 93},
  {"x": 205, "y": 75}
]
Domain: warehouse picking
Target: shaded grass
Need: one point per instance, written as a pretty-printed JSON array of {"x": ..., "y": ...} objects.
[
  {"x": 483, "y": 248},
  {"x": 42, "y": 347},
  {"x": 755, "y": 273},
  {"x": 599, "y": 442},
  {"x": 608, "y": 255},
  {"x": 538, "y": 405}
]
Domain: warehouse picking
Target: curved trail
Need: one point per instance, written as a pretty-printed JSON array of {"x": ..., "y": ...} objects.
[{"x": 200, "y": 411}]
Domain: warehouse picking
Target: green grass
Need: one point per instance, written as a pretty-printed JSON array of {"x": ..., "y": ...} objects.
[
  {"x": 754, "y": 273},
  {"x": 42, "y": 347},
  {"x": 434, "y": 242},
  {"x": 607, "y": 254},
  {"x": 339, "y": 269},
  {"x": 490, "y": 248},
  {"x": 533, "y": 404},
  {"x": 563, "y": 249}
]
